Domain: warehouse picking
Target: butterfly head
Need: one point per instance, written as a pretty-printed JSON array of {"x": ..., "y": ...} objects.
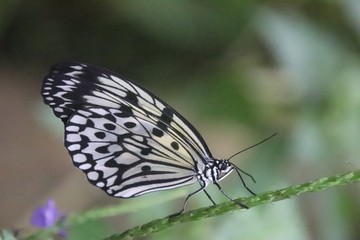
[{"x": 223, "y": 168}]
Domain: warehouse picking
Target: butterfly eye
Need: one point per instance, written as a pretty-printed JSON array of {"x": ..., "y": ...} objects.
[{"x": 223, "y": 167}]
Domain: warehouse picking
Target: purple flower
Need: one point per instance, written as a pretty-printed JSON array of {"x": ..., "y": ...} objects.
[{"x": 47, "y": 216}]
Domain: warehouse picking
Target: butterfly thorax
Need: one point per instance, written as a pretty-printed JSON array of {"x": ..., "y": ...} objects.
[{"x": 215, "y": 170}]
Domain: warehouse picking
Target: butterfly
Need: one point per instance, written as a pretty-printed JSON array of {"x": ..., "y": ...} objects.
[{"x": 126, "y": 140}]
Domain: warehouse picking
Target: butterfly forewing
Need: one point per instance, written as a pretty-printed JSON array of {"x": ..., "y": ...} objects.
[
  {"x": 73, "y": 86},
  {"x": 126, "y": 140}
]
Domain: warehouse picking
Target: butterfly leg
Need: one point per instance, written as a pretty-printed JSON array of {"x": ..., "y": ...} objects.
[
  {"x": 238, "y": 170},
  {"x": 207, "y": 194},
  {"x": 186, "y": 200},
  {"x": 238, "y": 203}
]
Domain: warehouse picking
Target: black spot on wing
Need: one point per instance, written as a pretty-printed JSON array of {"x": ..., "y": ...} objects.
[
  {"x": 124, "y": 112},
  {"x": 103, "y": 149},
  {"x": 157, "y": 132},
  {"x": 100, "y": 135},
  {"x": 165, "y": 119},
  {"x": 146, "y": 168},
  {"x": 109, "y": 126},
  {"x": 167, "y": 115},
  {"x": 111, "y": 163},
  {"x": 145, "y": 151},
  {"x": 175, "y": 145},
  {"x": 130, "y": 124},
  {"x": 132, "y": 98}
]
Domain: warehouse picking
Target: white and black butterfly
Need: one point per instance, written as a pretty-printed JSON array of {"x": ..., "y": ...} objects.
[{"x": 126, "y": 140}]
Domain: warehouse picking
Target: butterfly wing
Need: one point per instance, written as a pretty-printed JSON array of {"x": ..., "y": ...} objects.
[
  {"x": 119, "y": 153},
  {"x": 126, "y": 140}
]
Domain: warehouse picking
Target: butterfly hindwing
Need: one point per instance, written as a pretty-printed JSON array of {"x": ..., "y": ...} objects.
[{"x": 122, "y": 156}]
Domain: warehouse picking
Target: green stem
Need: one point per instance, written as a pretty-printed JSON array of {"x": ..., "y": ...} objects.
[{"x": 267, "y": 197}]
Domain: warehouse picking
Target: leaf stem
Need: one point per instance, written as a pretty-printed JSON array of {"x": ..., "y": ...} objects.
[{"x": 220, "y": 209}]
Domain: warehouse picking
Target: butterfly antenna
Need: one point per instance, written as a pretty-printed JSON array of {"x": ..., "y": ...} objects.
[{"x": 256, "y": 144}]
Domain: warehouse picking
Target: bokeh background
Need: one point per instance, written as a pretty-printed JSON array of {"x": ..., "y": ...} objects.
[{"x": 238, "y": 70}]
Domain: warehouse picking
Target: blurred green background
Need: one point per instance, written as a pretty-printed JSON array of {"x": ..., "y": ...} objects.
[{"x": 238, "y": 70}]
